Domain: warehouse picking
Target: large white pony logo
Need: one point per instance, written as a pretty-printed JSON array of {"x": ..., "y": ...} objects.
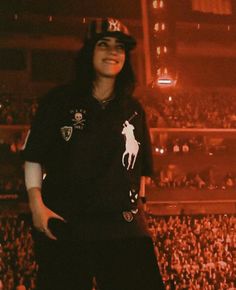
[{"x": 131, "y": 144}]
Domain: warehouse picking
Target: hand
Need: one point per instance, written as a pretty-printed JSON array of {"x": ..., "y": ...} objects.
[{"x": 41, "y": 214}]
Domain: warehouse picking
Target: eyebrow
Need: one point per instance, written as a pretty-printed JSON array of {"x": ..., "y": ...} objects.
[{"x": 107, "y": 38}]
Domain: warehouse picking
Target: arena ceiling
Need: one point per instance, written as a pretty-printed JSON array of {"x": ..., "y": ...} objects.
[
  {"x": 66, "y": 16},
  {"x": 130, "y": 9},
  {"x": 81, "y": 8}
]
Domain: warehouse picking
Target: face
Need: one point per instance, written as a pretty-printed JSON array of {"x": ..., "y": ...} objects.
[{"x": 109, "y": 57}]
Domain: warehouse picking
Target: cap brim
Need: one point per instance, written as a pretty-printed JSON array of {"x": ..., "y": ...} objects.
[{"x": 128, "y": 40}]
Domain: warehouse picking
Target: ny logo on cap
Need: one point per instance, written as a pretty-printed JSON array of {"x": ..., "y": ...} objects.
[{"x": 114, "y": 25}]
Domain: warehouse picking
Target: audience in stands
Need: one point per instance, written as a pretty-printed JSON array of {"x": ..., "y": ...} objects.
[
  {"x": 17, "y": 265},
  {"x": 183, "y": 110},
  {"x": 11, "y": 169},
  {"x": 174, "y": 176},
  {"x": 195, "y": 252},
  {"x": 16, "y": 112},
  {"x": 191, "y": 110}
]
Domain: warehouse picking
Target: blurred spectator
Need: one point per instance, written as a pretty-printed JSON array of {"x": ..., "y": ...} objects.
[
  {"x": 185, "y": 148},
  {"x": 228, "y": 181}
]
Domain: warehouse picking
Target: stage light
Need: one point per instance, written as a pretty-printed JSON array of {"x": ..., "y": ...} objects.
[
  {"x": 159, "y": 150},
  {"x": 155, "y": 4},
  {"x": 158, "y": 4},
  {"x": 161, "y": 4},
  {"x": 163, "y": 26},
  {"x": 165, "y": 80},
  {"x": 156, "y": 26},
  {"x": 162, "y": 81}
]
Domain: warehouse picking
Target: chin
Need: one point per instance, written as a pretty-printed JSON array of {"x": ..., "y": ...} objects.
[{"x": 110, "y": 75}]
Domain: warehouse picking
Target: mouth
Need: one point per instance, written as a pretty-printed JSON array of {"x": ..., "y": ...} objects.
[{"x": 110, "y": 61}]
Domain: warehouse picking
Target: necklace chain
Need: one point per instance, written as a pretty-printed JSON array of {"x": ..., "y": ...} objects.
[{"x": 105, "y": 101}]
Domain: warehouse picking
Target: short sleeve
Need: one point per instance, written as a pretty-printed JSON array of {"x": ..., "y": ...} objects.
[{"x": 147, "y": 158}]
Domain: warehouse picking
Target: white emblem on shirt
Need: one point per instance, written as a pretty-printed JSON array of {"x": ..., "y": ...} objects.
[{"x": 131, "y": 144}]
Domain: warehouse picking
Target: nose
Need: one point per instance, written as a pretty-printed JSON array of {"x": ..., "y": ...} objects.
[{"x": 112, "y": 49}]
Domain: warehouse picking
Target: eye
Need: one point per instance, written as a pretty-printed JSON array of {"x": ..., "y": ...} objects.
[
  {"x": 120, "y": 47},
  {"x": 102, "y": 43}
]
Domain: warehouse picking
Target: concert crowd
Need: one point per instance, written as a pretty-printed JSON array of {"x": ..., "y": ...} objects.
[{"x": 194, "y": 252}]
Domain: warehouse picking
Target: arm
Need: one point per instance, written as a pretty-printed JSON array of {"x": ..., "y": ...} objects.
[
  {"x": 40, "y": 213},
  {"x": 142, "y": 186}
]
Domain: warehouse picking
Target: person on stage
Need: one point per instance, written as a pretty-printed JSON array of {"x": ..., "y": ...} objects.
[{"x": 86, "y": 153}]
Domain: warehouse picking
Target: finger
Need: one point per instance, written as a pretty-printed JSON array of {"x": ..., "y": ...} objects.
[
  {"x": 58, "y": 217},
  {"x": 52, "y": 214},
  {"x": 49, "y": 234}
]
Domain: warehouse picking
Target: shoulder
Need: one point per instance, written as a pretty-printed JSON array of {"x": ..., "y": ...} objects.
[
  {"x": 134, "y": 103},
  {"x": 58, "y": 95},
  {"x": 57, "y": 99}
]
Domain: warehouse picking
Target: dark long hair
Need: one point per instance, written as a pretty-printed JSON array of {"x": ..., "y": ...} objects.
[{"x": 85, "y": 73}]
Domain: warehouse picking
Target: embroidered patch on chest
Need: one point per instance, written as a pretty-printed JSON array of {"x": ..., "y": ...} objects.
[
  {"x": 78, "y": 118},
  {"x": 66, "y": 132},
  {"x": 77, "y": 121}
]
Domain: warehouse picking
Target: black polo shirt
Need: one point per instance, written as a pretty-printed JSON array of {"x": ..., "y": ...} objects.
[{"x": 93, "y": 156}]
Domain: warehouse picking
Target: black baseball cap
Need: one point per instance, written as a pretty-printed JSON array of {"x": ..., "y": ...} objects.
[{"x": 101, "y": 27}]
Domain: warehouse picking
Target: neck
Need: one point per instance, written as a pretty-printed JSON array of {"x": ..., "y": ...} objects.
[{"x": 103, "y": 88}]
